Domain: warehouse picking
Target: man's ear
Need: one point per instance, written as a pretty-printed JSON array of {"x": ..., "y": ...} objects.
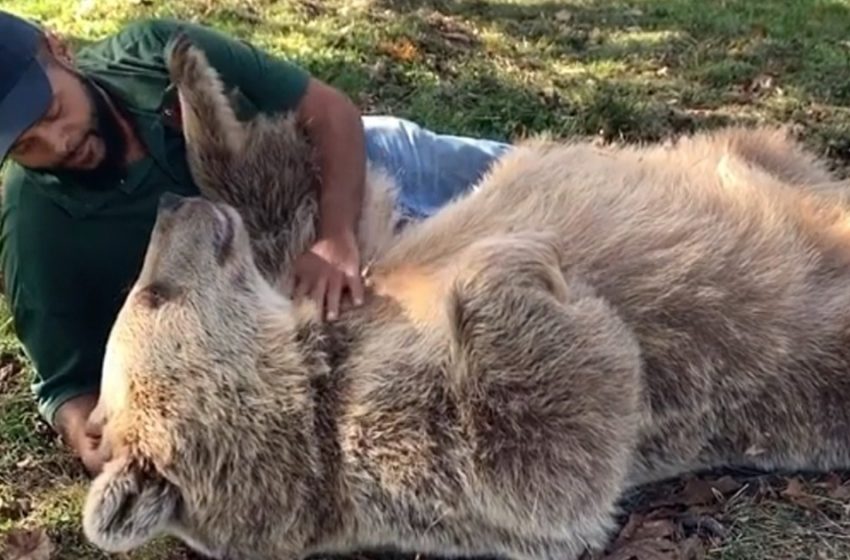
[
  {"x": 128, "y": 504},
  {"x": 58, "y": 47}
]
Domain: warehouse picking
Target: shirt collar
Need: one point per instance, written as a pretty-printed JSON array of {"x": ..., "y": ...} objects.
[{"x": 155, "y": 127}]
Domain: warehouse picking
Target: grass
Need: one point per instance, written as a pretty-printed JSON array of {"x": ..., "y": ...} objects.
[{"x": 635, "y": 70}]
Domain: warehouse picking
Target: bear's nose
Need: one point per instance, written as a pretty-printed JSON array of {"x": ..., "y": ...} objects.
[{"x": 170, "y": 201}]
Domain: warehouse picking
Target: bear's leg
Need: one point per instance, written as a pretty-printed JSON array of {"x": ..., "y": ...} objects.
[{"x": 550, "y": 381}]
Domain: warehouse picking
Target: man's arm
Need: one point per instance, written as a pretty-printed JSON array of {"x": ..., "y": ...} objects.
[
  {"x": 333, "y": 263},
  {"x": 54, "y": 293},
  {"x": 274, "y": 84}
]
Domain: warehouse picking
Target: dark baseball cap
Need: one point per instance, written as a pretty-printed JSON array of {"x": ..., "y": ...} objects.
[{"x": 25, "y": 92}]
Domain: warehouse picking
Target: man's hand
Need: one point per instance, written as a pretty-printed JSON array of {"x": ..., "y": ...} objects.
[
  {"x": 330, "y": 266},
  {"x": 89, "y": 449},
  {"x": 81, "y": 435}
]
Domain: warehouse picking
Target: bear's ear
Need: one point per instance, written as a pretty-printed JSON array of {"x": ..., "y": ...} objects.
[{"x": 127, "y": 505}]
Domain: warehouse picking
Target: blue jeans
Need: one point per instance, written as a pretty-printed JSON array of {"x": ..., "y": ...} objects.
[{"x": 431, "y": 169}]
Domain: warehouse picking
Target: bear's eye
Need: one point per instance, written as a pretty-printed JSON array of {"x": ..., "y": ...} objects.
[{"x": 155, "y": 294}]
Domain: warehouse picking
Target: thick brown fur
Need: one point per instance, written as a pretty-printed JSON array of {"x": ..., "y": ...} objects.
[
  {"x": 587, "y": 320},
  {"x": 266, "y": 168}
]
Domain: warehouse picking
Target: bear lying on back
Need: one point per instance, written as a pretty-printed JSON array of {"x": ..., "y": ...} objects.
[{"x": 587, "y": 320}]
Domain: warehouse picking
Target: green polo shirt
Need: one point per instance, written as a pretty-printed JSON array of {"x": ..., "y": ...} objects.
[{"x": 70, "y": 252}]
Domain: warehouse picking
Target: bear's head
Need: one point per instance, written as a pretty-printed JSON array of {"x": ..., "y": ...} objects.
[{"x": 184, "y": 384}]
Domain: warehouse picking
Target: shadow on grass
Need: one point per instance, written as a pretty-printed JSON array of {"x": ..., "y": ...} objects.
[
  {"x": 718, "y": 43},
  {"x": 721, "y": 62},
  {"x": 480, "y": 101}
]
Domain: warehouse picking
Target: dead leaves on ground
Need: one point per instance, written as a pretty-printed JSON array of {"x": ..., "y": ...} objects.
[
  {"x": 27, "y": 544},
  {"x": 452, "y": 30},
  {"x": 444, "y": 34},
  {"x": 435, "y": 36},
  {"x": 401, "y": 50},
  {"x": 7, "y": 372},
  {"x": 836, "y": 488},
  {"x": 682, "y": 520},
  {"x": 645, "y": 538},
  {"x": 676, "y": 520},
  {"x": 15, "y": 508},
  {"x": 831, "y": 488}
]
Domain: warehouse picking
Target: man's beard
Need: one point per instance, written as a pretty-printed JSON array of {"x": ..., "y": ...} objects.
[{"x": 105, "y": 127}]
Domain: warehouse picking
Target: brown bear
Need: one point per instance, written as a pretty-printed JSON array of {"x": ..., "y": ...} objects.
[{"x": 588, "y": 319}]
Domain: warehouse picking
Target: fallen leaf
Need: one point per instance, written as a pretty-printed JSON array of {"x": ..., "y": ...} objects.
[
  {"x": 27, "y": 544},
  {"x": 628, "y": 529},
  {"x": 835, "y": 487},
  {"x": 700, "y": 491},
  {"x": 458, "y": 37},
  {"x": 726, "y": 485},
  {"x": 6, "y": 372},
  {"x": 403, "y": 50},
  {"x": 796, "y": 493},
  {"x": 759, "y": 30},
  {"x": 793, "y": 488},
  {"x": 646, "y": 549},
  {"x": 659, "y": 511},
  {"x": 692, "y": 548},
  {"x": 564, "y": 16},
  {"x": 697, "y": 491},
  {"x": 762, "y": 83},
  {"x": 450, "y": 29},
  {"x": 378, "y": 70},
  {"x": 840, "y": 493},
  {"x": 703, "y": 524},
  {"x": 654, "y": 529},
  {"x": 643, "y": 537}
]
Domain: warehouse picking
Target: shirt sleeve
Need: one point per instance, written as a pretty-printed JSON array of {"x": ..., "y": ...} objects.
[
  {"x": 271, "y": 82},
  {"x": 66, "y": 359},
  {"x": 59, "y": 321}
]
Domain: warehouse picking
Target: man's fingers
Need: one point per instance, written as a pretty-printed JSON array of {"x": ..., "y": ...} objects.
[
  {"x": 319, "y": 291},
  {"x": 355, "y": 286},
  {"x": 302, "y": 287},
  {"x": 333, "y": 296},
  {"x": 93, "y": 430}
]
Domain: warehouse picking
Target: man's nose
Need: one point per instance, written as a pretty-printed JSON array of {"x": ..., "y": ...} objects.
[
  {"x": 61, "y": 140},
  {"x": 62, "y": 144}
]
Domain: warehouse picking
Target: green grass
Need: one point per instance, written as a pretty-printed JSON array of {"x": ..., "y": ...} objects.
[{"x": 631, "y": 71}]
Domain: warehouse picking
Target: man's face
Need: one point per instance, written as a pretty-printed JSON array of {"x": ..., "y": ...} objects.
[{"x": 78, "y": 131}]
